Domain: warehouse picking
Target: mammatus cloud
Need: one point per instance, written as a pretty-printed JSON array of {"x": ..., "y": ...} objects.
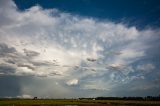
[{"x": 65, "y": 49}]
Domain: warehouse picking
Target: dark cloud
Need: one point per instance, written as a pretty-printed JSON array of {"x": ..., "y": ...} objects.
[
  {"x": 10, "y": 61},
  {"x": 5, "y": 49},
  {"x": 91, "y": 59},
  {"x": 7, "y": 69},
  {"x": 41, "y": 63},
  {"x": 31, "y": 53},
  {"x": 28, "y": 66}
]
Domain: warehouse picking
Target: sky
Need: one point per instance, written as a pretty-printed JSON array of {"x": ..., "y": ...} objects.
[{"x": 79, "y": 48}]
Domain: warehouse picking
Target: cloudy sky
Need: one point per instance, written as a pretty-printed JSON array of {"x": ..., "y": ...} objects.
[{"x": 83, "y": 48}]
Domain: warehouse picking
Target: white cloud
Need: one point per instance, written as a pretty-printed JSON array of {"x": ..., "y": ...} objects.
[
  {"x": 146, "y": 67},
  {"x": 26, "y": 96},
  {"x": 25, "y": 70},
  {"x": 131, "y": 53},
  {"x": 72, "y": 82}
]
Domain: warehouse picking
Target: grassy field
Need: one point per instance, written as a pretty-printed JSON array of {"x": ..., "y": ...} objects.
[{"x": 70, "y": 102}]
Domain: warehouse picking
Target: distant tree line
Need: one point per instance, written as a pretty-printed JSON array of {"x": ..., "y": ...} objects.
[{"x": 156, "y": 98}]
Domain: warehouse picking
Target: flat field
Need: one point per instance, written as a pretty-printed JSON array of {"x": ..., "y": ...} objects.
[{"x": 71, "y": 102}]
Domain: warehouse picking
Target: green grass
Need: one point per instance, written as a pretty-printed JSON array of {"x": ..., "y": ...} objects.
[{"x": 49, "y": 102}]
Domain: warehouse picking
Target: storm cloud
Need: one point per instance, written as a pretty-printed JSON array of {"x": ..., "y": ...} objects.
[{"x": 51, "y": 48}]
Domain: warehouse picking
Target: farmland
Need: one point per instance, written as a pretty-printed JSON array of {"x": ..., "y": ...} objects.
[{"x": 74, "y": 102}]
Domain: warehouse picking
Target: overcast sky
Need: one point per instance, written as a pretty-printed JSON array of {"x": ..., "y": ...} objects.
[{"x": 63, "y": 49}]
